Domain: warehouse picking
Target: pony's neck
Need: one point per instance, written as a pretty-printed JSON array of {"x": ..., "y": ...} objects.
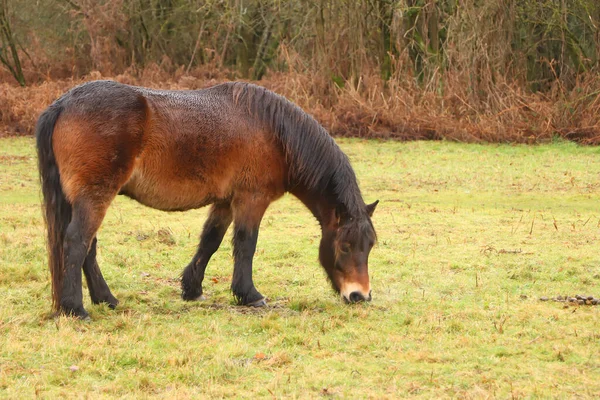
[
  {"x": 321, "y": 207},
  {"x": 323, "y": 204}
]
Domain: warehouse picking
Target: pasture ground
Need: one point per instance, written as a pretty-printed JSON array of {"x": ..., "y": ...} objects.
[{"x": 470, "y": 236}]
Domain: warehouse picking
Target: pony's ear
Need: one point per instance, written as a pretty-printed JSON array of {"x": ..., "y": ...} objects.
[
  {"x": 371, "y": 208},
  {"x": 341, "y": 214}
]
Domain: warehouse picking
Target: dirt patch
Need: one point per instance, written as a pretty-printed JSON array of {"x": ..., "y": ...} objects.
[{"x": 577, "y": 300}]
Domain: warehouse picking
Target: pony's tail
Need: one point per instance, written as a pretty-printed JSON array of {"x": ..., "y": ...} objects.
[{"x": 55, "y": 207}]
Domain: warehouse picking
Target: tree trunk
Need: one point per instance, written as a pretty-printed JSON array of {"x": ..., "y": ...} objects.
[
  {"x": 7, "y": 39},
  {"x": 385, "y": 20}
]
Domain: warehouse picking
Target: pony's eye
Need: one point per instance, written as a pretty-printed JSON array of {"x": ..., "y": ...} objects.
[{"x": 345, "y": 247}]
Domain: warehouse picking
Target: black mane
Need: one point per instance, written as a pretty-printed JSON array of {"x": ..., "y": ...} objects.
[{"x": 315, "y": 161}]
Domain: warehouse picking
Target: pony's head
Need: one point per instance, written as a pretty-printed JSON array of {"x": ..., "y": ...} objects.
[{"x": 344, "y": 253}]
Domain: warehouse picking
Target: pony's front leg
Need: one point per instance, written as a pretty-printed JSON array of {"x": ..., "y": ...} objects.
[
  {"x": 215, "y": 228},
  {"x": 247, "y": 217}
]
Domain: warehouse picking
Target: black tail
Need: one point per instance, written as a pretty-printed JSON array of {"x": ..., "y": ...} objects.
[{"x": 56, "y": 208}]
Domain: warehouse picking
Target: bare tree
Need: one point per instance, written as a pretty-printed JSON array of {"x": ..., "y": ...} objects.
[{"x": 9, "y": 56}]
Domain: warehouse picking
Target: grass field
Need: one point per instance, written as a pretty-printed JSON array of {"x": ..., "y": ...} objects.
[{"x": 470, "y": 236}]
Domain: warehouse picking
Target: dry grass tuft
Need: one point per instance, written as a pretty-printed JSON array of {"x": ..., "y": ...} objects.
[
  {"x": 21, "y": 106},
  {"x": 371, "y": 108}
]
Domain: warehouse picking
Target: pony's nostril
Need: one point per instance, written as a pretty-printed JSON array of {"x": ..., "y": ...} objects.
[{"x": 355, "y": 297}]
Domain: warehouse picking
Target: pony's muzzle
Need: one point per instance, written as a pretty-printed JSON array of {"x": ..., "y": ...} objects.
[{"x": 356, "y": 297}]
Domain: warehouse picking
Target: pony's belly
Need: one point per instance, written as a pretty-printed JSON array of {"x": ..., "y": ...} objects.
[{"x": 169, "y": 194}]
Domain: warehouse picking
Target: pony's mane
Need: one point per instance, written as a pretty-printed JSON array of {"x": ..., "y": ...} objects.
[{"x": 314, "y": 159}]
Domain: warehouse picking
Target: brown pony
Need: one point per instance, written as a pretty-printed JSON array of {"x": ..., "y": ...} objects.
[{"x": 236, "y": 146}]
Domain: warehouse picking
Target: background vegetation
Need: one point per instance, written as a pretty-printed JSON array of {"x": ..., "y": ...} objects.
[{"x": 508, "y": 70}]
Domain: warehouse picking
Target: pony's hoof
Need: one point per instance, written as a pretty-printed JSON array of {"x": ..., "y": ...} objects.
[
  {"x": 111, "y": 303},
  {"x": 78, "y": 313},
  {"x": 107, "y": 299},
  {"x": 197, "y": 298},
  {"x": 83, "y": 316},
  {"x": 193, "y": 296},
  {"x": 258, "y": 303},
  {"x": 191, "y": 293}
]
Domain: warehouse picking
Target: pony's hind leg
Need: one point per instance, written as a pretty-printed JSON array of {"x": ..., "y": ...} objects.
[
  {"x": 86, "y": 220},
  {"x": 95, "y": 141},
  {"x": 214, "y": 229},
  {"x": 99, "y": 291},
  {"x": 247, "y": 213}
]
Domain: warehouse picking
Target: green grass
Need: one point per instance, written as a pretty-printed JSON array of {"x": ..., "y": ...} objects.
[{"x": 470, "y": 236}]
